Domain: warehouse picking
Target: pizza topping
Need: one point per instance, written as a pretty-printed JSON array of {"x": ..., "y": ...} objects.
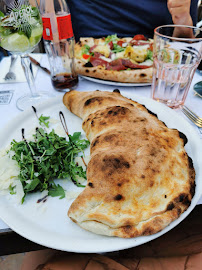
[
  {"x": 112, "y": 38},
  {"x": 128, "y": 63},
  {"x": 92, "y": 48},
  {"x": 85, "y": 49},
  {"x": 111, "y": 45},
  {"x": 98, "y": 61},
  {"x": 139, "y": 37},
  {"x": 139, "y": 43},
  {"x": 103, "y": 49},
  {"x": 137, "y": 54},
  {"x": 86, "y": 56},
  {"x": 120, "y": 43},
  {"x": 117, "y": 48},
  {"x": 116, "y": 65},
  {"x": 114, "y": 53}
]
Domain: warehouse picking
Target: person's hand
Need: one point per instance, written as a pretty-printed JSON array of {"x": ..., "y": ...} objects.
[{"x": 180, "y": 11}]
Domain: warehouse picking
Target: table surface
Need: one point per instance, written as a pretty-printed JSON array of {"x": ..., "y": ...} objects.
[{"x": 43, "y": 83}]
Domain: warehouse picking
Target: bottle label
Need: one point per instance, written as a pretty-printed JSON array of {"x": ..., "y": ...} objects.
[
  {"x": 65, "y": 27},
  {"x": 47, "y": 31}
]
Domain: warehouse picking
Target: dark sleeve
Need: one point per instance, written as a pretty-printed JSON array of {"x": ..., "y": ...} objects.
[{"x": 194, "y": 11}]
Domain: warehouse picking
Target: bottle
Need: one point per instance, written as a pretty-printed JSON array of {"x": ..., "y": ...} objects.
[{"x": 59, "y": 43}]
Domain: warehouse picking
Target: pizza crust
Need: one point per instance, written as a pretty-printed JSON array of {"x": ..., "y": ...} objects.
[
  {"x": 140, "y": 177},
  {"x": 125, "y": 76}
]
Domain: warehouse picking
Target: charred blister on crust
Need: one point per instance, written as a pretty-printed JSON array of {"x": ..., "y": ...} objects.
[
  {"x": 182, "y": 136},
  {"x": 93, "y": 100},
  {"x": 116, "y": 91},
  {"x": 115, "y": 163},
  {"x": 117, "y": 110},
  {"x": 179, "y": 211},
  {"x": 152, "y": 113},
  {"x": 170, "y": 206},
  {"x": 186, "y": 201},
  {"x": 118, "y": 197},
  {"x": 148, "y": 231},
  {"x": 88, "y": 64},
  {"x": 192, "y": 189},
  {"x": 90, "y": 185},
  {"x": 95, "y": 142},
  {"x": 190, "y": 163}
]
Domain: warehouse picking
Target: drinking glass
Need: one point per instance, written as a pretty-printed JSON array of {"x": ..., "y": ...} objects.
[
  {"x": 177, "y": 53},
  {"x": 20, "y": 31}
]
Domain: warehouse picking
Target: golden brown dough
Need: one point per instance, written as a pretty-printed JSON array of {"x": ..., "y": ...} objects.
[{"x": 140, "y": 177}]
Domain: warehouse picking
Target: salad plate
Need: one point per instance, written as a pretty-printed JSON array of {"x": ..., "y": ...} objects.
[{"x": 47, "y": 223}]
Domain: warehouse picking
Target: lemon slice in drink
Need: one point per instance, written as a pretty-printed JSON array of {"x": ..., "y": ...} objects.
[
  {"x": 36, "y": 36},
  {"x": 15, "y": 43}
]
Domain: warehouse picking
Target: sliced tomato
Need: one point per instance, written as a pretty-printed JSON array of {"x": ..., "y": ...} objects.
[
  {"x": 139, "y": 37},
  {"x": 111, "y": 45},
  {"x": 120, "y": 43},
  {"x": 151, "y": 47},
  {"x": 86, "y": 56}
]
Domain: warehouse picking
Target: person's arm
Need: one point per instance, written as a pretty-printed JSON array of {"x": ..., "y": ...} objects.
[{"x": 180, "y": 12}]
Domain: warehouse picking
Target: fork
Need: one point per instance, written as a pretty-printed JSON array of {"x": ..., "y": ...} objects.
[
  {"x": 11, "y": 75},
  {"x": 192, "y": 116}
]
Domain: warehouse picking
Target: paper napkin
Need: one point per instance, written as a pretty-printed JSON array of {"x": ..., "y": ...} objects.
[{"x": 17, "y": 69}]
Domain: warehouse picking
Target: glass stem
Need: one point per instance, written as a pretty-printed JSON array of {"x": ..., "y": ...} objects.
[{"x": 27, "y": 67}]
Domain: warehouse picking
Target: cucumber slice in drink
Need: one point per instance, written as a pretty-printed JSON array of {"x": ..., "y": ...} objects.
[{"x": 15, "y": 43}]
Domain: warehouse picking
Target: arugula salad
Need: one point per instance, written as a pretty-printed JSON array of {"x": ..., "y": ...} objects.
[{"x": 45, "y": 158}]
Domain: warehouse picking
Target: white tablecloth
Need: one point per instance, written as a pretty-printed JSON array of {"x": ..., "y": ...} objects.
[{"x": 43, "y": 83}]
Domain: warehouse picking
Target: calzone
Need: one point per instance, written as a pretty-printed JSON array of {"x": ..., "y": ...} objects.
[{"x": 139, "y": 178}]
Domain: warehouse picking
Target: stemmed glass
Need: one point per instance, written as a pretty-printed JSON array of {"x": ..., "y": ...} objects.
[{"x": 20, "y": 31}]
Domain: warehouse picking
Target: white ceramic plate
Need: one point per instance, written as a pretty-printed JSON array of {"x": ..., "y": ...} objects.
[
  {"x": 47, "y": 223},
  {"x": 114, "y": 83}
]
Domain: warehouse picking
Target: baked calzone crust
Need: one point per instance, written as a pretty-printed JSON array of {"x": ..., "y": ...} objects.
[{"x": 140, "y": 177}]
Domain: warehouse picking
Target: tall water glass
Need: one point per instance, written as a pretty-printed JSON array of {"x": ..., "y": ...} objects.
[
  {"x": 20, "y": 31},
  {"x": 177, "y": 53}
]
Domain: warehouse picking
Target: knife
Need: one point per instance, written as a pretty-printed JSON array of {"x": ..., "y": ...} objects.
[{"x": 38, "y": 64}]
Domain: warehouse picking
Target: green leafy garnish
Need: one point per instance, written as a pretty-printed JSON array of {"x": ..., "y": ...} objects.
[
  {"x": 117, "y": 48},
  {"x": 46, "y": 158},
  {"x": 149, "y": 55},
  {"x": 56, "y": 191},
  {"x": 12, "y": 190},
  {"x": 1, "y": 14},
  {"x": 112, "y": 38},
  {"x": 44, "y": 120},
  {"x": 85, "y": 49}
]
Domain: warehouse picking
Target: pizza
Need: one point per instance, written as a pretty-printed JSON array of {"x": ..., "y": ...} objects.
[
  {"x": 140, "y": 177},
  {"x": 127, "y": 60}
]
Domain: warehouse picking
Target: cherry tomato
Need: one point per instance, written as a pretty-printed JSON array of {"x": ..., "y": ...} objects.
[
  {"x": 120, "y": 42},
  {"x": 86, "y": 56},
  {"x": 139, "y": 37}
]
